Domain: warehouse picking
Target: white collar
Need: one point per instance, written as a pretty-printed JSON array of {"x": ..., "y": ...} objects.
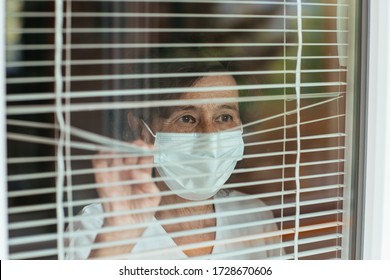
[{"x": 156, "y": 239}]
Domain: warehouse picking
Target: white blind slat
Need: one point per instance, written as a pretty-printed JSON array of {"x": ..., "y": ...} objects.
[
  {"x": 82, "y": 62},
  {"x": 50, "y": 190},
  {"x": 83, "y": 202},
  {"x": 40, "y": 175},
  {"x": 34, "y": 254},
  {"x": 274, "y": 247},
  {"x": 172, "y": 15},
  {"x": 226, "y": 241},
  {"x": 309, "y": 253},
  {"x": 241, "y": 2},
  {"x": 170, "y": 30},
  {"x": 170, "y": 75},
  {"x": 17, "y": 110},
  {"x": 90, "y": 171},
  {"x": 180, "y": 102},
  {"x": 52, "y": 237},
  {"x": 21, "y": 160},
  {"x": 144, "y": 104},
  {"x": 167, "y": 45},
  {"x": 84, "y": 187},
  {"x": 31, "y": 224}
]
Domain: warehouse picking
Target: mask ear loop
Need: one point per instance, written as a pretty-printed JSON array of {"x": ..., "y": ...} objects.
[
  {"x": 154, "y": 135},
  {"x": 148, "y": 128}
]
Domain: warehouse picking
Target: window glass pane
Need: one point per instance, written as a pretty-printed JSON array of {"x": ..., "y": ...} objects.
[{"x": 243, "y": 106}]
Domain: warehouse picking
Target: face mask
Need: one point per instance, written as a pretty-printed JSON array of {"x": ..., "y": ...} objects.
[{"x": 196, "y": 165}]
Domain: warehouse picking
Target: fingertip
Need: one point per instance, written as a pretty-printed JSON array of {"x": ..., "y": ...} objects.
[
  {"x": 151, "y": 146},
  {"x": 105, "y": 158},
  {"x": 142, "y": 144},
  {"x": 130, "y": 160},
  {"x": 139, "y": 142},
  {"x": 99, "y": 162},
  {"x": 147, "y": 159}
]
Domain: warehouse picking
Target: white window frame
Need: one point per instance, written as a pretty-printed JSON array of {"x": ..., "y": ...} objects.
[{"x": 376, "y": 231}]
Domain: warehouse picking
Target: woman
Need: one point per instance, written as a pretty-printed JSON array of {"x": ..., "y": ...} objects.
[{"x": 178, "y": 136}]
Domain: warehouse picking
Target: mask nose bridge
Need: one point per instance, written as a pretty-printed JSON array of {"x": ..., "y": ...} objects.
[{"x": 207, "y": 143}]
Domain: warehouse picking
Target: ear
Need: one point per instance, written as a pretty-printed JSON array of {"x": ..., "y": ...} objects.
[
  {"x": 139, "y": 128},
  {"x": 134, "y": 124},
  {"x": 145, "y": 134},
  {"x": 133, "y": 121}
]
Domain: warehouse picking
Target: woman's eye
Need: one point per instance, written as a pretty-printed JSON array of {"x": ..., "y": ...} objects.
[
  {"x": 187, "y": 119},
  {"x": 225, "y": 118}
]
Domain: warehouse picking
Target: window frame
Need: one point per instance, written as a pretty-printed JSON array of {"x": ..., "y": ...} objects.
[
  {"x": 356, "y": 129},
  {"x": 376, "y": 215}
]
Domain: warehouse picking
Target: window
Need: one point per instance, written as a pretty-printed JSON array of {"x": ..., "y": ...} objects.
[{"x": 90, "y": 76}]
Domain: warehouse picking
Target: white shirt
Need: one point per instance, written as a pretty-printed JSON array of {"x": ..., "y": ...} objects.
[{"x": 155, "y": 242}]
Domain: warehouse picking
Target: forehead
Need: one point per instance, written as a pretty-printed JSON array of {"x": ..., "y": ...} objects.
[{"x": 212, "y": 81}]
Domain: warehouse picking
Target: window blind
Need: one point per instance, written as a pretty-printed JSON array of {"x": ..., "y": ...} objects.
[{"x": 76, "y": 68}]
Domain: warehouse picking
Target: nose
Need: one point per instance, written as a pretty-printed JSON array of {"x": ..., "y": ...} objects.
[{"x": 208, "y": 126}]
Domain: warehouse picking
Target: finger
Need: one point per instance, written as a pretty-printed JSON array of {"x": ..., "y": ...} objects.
[
  {"x": 144, "y": 173},
  {"x": 100, "y": 164},
  {"x": 142, "y": 144},
  {"x": 146, "y": 160},
  {"x": 130, "y": 160},
  {"x": 104, "y": 164},
  {"x": 147, "y": 186},
  {"x": 102, "y": 157}
]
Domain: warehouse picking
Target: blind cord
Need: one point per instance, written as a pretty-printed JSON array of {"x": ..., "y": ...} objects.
[
  {"x": 298, "y": 131},
  {"x": 61, "y": 123},
  {"x": 284, "y": 122},
  {"x": 68, "y": 88}
]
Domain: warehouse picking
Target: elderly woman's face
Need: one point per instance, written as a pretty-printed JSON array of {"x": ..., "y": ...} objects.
[{"x": 204, "y": 118}]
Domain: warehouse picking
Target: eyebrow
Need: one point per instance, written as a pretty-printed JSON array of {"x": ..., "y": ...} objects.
[
  {"x": 170, "y": 110},
  {"x": 185, "y": 108},
  {"x": 230, "y": 107},
  {"x": 191, "y": 107}
]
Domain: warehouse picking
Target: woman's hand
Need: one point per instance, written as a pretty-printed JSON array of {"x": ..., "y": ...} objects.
[{"x": 125, "y": 190}]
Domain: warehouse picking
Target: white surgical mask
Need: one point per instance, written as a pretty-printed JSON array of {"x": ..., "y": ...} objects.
[{"x": 196, "y": 165}]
